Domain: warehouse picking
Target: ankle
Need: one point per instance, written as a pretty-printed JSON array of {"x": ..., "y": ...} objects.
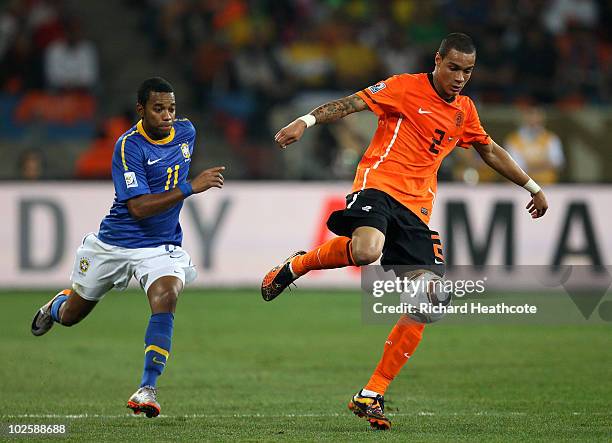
[
  {"x": 368, "y": 393},
  {"x": 294, "y": 274}
]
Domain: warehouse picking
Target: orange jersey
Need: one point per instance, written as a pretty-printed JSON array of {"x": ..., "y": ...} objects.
[{"x": 416, "y": 130}]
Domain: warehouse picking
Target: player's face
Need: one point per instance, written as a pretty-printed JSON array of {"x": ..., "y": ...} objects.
[
  {"x": 158, "y": 114},
  {"x": 453, "y": 72}
]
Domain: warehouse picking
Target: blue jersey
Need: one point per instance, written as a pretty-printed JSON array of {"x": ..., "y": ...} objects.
[{"x": 145, "y": 166}]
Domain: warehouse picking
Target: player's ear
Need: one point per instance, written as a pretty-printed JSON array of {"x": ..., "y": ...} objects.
[
  {"x": 140, "y": 110},
  {"x": 438, "y": 59}
]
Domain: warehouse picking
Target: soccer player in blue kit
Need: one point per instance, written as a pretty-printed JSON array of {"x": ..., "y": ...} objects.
[{"x": 141, "y": 236}]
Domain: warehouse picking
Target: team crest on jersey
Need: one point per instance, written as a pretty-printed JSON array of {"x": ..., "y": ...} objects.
[
  {"x": 459, "y": 119},
  {"x": 130, "y": 179},
  {"x": 377, "y": 87},
  {"x": 84, "y": 265},
  {"x": 185, "y": 150}
]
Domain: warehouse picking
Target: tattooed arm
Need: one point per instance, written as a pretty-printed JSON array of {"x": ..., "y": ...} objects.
[
  {"x": 335, "y": 110},
  {"x": 327, "y": 113}
]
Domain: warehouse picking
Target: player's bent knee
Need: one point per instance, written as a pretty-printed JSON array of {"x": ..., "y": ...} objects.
[
  {"x": 169, "y": 297},
  {"x": 366, "y": 245},
  {"x": 163, "y": 294},
  {"x": 164, "y": 301},
  {"x": 365, "y": 254}
]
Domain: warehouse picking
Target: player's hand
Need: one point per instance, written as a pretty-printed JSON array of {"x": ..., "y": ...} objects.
[
  {"x": 538, "y": 205},
  {"x": 290, "y": 133},
  {"x": 210, "y": 178}
]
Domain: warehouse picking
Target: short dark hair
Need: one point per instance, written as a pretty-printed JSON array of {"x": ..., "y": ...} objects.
[
  {"x": 153, "y": 84},
  {"x": 458, "y": 41}
]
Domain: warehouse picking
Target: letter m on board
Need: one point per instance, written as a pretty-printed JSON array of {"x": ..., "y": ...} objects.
[{"x": 500, "y": 230}]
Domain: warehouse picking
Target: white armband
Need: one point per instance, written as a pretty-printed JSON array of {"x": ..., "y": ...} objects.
[
  {"x": 532, "y": 187},
  {"x": 309, "y": 119}
]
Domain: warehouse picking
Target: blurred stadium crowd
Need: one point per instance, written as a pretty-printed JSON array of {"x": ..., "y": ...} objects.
[
  {"x": 251, "y": 66},
  {"x": 550, "y": 51}
]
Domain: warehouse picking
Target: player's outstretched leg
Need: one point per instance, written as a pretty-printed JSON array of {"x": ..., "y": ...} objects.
[
  {"x": 335, "y": 253},
  {"x": 399, "y": 347},
  {"x": 66, "y": 308}
]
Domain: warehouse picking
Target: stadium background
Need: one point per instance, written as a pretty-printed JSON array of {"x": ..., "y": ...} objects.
[{"x": 241, "y": 70}]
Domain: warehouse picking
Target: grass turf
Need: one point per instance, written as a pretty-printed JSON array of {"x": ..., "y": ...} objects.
[{"x": 242, "y": 369}]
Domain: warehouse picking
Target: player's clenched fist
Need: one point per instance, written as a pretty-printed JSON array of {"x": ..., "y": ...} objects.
[
  {"x": 290, "y": 133},
  {"x": 210, "y": 178}
]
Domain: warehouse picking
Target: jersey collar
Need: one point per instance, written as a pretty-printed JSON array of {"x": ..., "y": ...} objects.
[
  {"x": 162, "y": 141},
  {"x": 431, "y": 82}
]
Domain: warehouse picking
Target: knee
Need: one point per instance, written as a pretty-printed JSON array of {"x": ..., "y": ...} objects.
[
  {"x": 365, "y": 253},
  {"x": 163, "y": 294},
  {"x": 165, "y": 301}
]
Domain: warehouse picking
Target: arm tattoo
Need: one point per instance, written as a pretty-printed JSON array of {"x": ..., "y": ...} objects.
[{"x": 334, "y": 110}]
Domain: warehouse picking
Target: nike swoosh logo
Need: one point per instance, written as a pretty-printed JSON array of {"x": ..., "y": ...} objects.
[
  {"x": 155, "y": 360},
  {"x": 423, "y": 111},
  {"x": 149, "y": 162},
  {"x": 438, "y": 262}
]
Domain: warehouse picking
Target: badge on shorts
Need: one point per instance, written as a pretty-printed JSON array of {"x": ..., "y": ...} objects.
[
  {"x": 424, "y": 211},
  {"x": 377, "y": 87},
  {"x": 130, "y": 179},
  {"x": 83, "y": 265}
]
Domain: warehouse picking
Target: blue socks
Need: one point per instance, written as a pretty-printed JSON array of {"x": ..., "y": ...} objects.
[
  {"x": 55, "y": 307},
  {"x": 158, "y": 340}
]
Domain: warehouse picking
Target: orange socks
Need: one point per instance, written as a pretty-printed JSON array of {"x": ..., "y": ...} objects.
[
  {"x": 399, "y": 347},
  {"x": 335, "y": 253},
  {"x": 405, "y": 335}
]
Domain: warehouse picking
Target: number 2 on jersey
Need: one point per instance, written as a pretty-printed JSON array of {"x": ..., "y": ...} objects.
[
  {"x": 436, "y": 141},
  {"x": 170, "y": 171}
]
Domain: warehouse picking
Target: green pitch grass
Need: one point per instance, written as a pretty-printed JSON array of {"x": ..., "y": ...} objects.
[{"x": 242, "y": 369}]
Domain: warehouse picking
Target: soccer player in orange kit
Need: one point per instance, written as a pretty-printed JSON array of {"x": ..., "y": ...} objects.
[{"x": 421, "y": 118}]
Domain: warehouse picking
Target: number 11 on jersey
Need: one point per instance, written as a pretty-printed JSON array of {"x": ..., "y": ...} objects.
[{"x": 176, "y": 173}]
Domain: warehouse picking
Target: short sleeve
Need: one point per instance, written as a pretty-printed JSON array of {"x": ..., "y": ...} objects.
[
  {"x": 129, "y": 176},
  {"x": 191, "y": 130},
  {"x": 384, "y": 97},
  {"x": 473, "y": 131}
]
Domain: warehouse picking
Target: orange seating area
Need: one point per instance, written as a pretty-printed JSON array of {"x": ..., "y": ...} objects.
[{"x": 65, "y": 109}]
